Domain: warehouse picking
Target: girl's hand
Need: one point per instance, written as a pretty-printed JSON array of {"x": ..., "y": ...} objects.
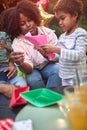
[{"x": 49, "y": 48}]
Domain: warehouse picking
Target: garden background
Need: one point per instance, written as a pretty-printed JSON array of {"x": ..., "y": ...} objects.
[{"x": 48, "y": 4}]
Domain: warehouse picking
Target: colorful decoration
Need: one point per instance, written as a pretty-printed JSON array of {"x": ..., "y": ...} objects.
[
  {"x": 46, "y": 17},
  {"x": 44, "y": 3}
]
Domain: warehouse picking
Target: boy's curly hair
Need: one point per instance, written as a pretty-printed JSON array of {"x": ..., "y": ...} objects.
[
  {"x": 72, "y": 7},
  {"x": 9, "y": 22}
]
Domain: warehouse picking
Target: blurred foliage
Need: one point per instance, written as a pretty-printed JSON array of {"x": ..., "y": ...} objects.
[{"x": 10, "y": 3}]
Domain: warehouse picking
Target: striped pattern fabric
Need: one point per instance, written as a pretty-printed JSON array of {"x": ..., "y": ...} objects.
[{"x": 73, "y": 53}]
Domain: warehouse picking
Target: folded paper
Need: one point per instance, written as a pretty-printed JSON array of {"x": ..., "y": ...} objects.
[
  {"x": 39, "y": 40},
  {"x": 16, "y": 100}
]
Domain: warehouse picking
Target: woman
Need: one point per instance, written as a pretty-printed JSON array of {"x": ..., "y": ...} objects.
[{"x": 26, "y": 18}]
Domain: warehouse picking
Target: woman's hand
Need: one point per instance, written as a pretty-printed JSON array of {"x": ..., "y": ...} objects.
[
  {"x": 42, "y": 51},
  {"x": 17, "y": 57}
]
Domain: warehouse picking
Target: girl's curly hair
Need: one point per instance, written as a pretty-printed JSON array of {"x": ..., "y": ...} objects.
[{"x": 70, "y": 6}]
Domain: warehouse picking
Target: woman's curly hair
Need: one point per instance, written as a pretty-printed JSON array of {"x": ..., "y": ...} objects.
[
  {"x": 30, "y": 10},
  {"x": 9, "y": 18}
]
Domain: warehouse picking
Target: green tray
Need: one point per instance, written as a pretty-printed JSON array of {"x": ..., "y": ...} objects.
[{"x": 42, "y": 97}]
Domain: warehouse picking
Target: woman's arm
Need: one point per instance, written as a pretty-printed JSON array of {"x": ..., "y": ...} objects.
[{"x": 18, "y": 58}]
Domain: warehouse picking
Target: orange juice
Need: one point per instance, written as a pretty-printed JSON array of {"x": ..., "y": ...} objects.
[
  {"x": 77, "y": 92},
  {"x": 77, "y": 115},
  {"x": 72, "y": 95},
  {"x": 83, "y": 94},
  {"x": 76, "y": 106}
]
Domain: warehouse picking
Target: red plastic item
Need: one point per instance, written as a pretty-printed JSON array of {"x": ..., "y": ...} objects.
[
  {"x": 16, "y": 100},
  {"x": 6, "y": 124}
]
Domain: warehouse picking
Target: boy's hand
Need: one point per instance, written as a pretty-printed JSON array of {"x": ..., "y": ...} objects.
[
  {"x": 5, "y": 46},
  {"x": 2, "y": 45}
]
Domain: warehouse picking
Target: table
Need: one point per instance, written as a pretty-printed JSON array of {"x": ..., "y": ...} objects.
[
  {"x": 6, "y": 112},
  {"x": 47, "y": 118}
]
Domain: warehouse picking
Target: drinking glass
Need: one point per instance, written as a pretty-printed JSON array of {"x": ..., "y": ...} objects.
[{"x": 76, "y": 107}]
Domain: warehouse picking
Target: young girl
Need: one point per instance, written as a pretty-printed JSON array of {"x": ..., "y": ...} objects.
[
  {"x": 23, "y": 19},
  {"x": 72, "y": 43}
]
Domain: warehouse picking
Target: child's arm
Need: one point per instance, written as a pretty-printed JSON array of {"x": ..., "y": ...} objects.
[
  {"x": 50, "y": 48},
  {"x": 4, "y": 46}
]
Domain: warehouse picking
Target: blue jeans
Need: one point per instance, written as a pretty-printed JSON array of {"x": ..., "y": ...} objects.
[
  {"x": 18, "y": 80},
  {"x": 50, "y": 74}
]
